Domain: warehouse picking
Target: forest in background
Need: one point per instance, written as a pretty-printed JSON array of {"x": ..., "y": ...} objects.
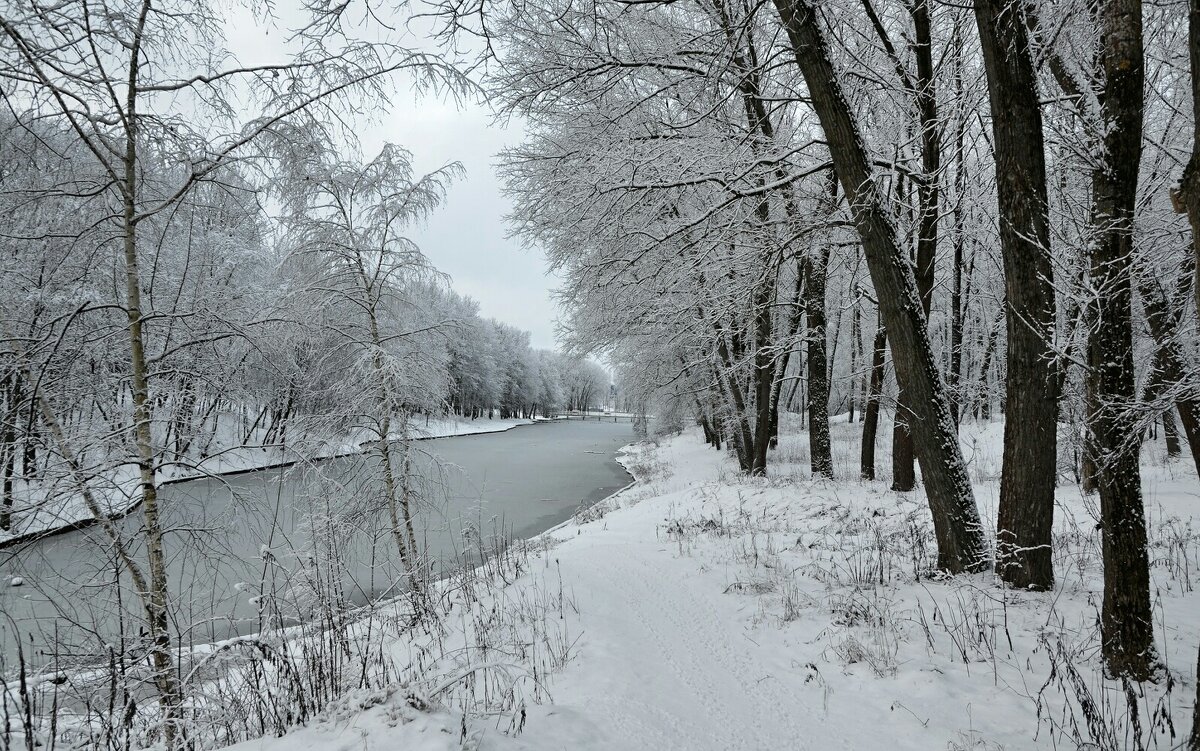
[{"x": 258, "y": 329}]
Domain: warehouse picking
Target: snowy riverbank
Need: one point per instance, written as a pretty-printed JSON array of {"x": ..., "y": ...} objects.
[
  {"x": 46, "y": 511},
  {"x": 706, "y": 610}
]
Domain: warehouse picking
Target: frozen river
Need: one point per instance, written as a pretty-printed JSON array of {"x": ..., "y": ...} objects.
[{"x": 237, "y": 542}]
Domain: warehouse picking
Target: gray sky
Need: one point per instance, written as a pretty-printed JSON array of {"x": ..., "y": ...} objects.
[{"x": 466, "y": 238}]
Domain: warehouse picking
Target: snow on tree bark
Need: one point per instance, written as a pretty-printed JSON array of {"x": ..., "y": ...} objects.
[{"x": 1127, "y": 632}]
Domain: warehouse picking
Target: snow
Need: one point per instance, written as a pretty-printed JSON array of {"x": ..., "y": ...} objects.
[
  {"x": 722, "y": 612},
  {"x": 54, "y": 508},
  {"x": 702, "y": 609}
]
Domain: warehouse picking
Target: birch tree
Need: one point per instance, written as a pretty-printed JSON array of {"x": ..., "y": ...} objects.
[{"x": 351, "y": 220}]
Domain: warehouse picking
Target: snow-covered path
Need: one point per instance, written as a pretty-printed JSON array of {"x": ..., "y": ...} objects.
[{"x": 657, "y": 654}]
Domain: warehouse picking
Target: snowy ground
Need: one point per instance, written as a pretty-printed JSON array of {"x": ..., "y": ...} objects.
[
  {"x": 41, "y": 509},
  {"x": 703, "y": 610}
]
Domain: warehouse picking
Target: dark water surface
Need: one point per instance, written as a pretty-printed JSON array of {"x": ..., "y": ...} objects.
[{"x": 283, "y": 536}]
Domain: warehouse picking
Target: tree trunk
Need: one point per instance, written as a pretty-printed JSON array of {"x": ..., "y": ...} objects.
[
  {"x": 709, "y": 437},
  {"x": 743, "y": 437},
  {"x": 856, "y": 345},
  {"x": 764, "y": 375},
  {"x": 1127, "y": 635},
  {"x": 765, "y": 363},
  {"x": 775, "y": 389},
  {"x": 871, "y": 411},
  {"x": 961, "y": 545},
  {"x": 8, "y": 457},
  {"x": 954, "y": 376},
  {"x": 383, "y": 454},
  {"x": 904, "y": 475},
  {"x": 10, "y": 391},
  {"x": 1026, "y": 512},
  {"x": 155, "y": 599},
  {"x": 983, "y": 401},
  {"x": 1171, "y": 433},
  {"x": 407, "y": 501},
  {"x": 793, "y": 326},
  {"x": 820, "y": 458},
  {"x": 816, "y": 268}
]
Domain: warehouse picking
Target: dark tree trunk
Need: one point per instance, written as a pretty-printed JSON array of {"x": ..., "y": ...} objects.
[
  {"x": 1171, "y": 433},
  {"x": 871, "y": 410},
  {"x": 1127, "y": 634},
  {"x": 1089, "y": 473},
  {"x": 961, "y": 545},
  {"x": 743, "y": 437},
  {"x": 816, "y": 268},
  {"x": 765, "y": 363},
  {"x": 10, "y": 403},
  {"x": 1026, "y": 513},
  {"x": 954, "y": 376},
  {"x": 856, "y": 345},
  {"x": 1189, "y": 417},
  {"x": 904, "y": 474},
  {"x": 8, "y": 459},
  {"x": 793, "y": 326},
  {"x": 1152, "y": 398},
  {"x": 774, "y": 439},
  {"x": 764, "y": 369},
  {"x": 820, "y": 458}
]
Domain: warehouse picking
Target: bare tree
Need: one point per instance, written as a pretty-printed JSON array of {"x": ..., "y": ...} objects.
[
  {"x": 351, "y": 218},
  {"x": 956, "y": 519}
]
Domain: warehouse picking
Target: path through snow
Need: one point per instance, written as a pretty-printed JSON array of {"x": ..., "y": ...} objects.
[{"x": 657, "y": 654}]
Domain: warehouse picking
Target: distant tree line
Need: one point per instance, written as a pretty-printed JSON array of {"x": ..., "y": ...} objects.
[{"x": 257, "y": 329}]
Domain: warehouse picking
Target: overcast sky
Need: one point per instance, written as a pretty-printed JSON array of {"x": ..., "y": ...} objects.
[{"x": 466, "y": 238}]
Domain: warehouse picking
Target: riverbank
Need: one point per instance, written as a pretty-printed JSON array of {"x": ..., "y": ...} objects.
[
  {"x": 61, "y": 512},
  {"x": 701, "y": 609},
  {"x": 510, "y": 487}
]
